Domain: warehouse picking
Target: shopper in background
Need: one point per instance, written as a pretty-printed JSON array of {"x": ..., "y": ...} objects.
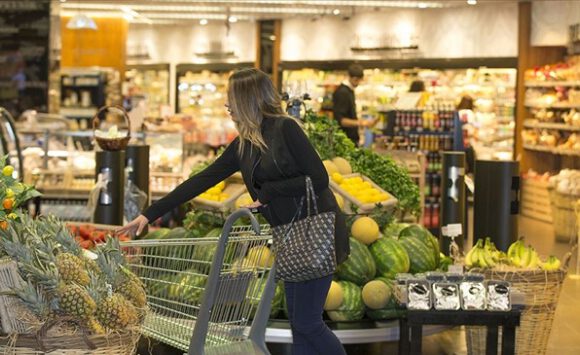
[
  {"x": 275, "y": 157},
  {"x": 466, "y": 117},
  {"x": 344, "y": 104},
  {"x": 417, "y": 86}
]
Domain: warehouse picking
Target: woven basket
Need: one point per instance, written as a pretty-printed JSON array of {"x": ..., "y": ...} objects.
[
  {"x": 112, "y": 144},
  {"x": 111, "y": 344},
  {"x": 11, "y": 305},
  {"x": 541, "y": 290},
  {"x": 563, "y": 215}
]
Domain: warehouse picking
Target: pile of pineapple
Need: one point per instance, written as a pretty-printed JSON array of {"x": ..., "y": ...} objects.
[{"x": 93, "y": 291}]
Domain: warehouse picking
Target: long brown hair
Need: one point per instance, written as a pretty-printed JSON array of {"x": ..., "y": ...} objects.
[{"x": 251, "y": 98}]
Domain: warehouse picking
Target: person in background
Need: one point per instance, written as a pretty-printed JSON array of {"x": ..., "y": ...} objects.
[
  {"x": 417, "y": 86},
  {"x": 344, "y": 104},
  {"x": 466, "y": 117},
  {"x": 275, "y": 157}
]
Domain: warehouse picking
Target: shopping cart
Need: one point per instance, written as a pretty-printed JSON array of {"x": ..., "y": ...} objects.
[{"x": 202, "y": 293}]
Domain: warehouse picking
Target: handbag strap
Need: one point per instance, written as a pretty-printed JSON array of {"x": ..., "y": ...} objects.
[{"x": 310, "y": 196}]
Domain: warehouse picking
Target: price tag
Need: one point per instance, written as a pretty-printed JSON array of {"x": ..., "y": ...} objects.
[{"x": 452, "y": 230}]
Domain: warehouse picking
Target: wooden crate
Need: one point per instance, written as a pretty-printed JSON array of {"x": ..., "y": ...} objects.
[
  {"x": 535, "y": 200},
  {"x": 388, "y": 204},
  {"x": 234, "y": 190}
]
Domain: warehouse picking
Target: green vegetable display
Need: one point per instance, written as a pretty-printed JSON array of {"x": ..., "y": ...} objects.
[{"x": 331, "y": 142}]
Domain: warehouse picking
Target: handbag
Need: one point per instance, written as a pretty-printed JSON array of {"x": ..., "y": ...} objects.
[{"x": 304, "y": 249}]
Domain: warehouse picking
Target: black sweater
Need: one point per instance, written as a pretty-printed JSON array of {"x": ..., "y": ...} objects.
[
  {"x": 276, "y": 177},
  {"x": 344, "y": 106}
]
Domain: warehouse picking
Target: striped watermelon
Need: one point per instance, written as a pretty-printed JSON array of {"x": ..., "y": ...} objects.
[
  {"x": 390, "y": 257},
  {"x": 352, "y": 307},
  {"x": 360, "y": 266},
  {"x": 422, "y": 248},
  {"x": 392, "y": 310}
]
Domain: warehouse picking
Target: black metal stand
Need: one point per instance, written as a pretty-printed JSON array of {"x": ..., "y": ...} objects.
[
  {"x": 412, "y": 327},
  {"x": 109, "y": 208},
  {"x": 453, "y": 197}
]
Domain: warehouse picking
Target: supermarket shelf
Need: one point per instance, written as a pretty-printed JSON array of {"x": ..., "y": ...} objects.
[
  {"x": 548, "y": 84},
  {"x": 563, "y": 105},
  {"x": 499, "y": 138},
  {"x": 359, "y": 333},
  {"x": 78, "y": 112},
  {"x": 556, "y": 151},
  {"x": 557, "y": 126}
]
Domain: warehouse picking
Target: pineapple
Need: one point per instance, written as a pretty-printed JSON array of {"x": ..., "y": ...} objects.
[
  {"x": 122, "y": 279},
  {"x": 71, "y": 269},
  {"x": 116, "y": 313},
  {"x": 94, "y": 326},
  {"x": 76, "y": 301}
]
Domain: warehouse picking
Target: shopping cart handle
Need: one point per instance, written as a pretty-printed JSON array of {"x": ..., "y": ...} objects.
[{"x": 242, "y": 212}]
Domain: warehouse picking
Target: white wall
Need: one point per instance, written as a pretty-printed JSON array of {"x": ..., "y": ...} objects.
[
  {"x": 551, "y": 21},
  {"x": 475, "y": 31},
  {"x": 178, "y": 44}
]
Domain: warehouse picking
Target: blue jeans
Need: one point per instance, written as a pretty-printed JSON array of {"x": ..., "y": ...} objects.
[{"x": 310, "y": 335}]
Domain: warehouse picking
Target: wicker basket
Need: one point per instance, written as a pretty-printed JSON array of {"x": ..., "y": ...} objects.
[
  {"x": 11, "y": 305},
  {"x": 563, "y": 215},
  {"x": 541, "y": 290},
  {"x": 77, "y": 344},
  {"x": 112, "y": 144}
]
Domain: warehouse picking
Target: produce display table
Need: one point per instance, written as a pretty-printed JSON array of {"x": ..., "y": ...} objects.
[
  {"x": 355, "y": 332},
  {"x": 412, "y": 327}
]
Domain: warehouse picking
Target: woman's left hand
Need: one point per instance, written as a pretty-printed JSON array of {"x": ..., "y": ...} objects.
[{"x": 254, "y": 204}]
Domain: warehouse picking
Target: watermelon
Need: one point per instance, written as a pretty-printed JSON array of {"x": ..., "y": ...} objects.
[
  {"x": 157, "y": 234},
  {"x": 394, "y": 229},
  {"x": 392, "y": 310},
  {"x": 255, "y": 292},
  {"x": 422, "y": 248},
  {"x": 360, "y": 266},
  {"x": 188, "y": 288},
  {"x": 390, "y": 257},
  {"x": 352, "y": 307},
  {"x": 176, "y": 233}
]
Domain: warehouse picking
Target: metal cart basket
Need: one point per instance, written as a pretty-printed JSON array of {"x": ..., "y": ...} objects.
[{"x": 202, "y": 293}]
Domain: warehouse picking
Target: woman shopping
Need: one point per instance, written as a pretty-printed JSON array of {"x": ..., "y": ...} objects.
[{"x": 290, "y": 187}]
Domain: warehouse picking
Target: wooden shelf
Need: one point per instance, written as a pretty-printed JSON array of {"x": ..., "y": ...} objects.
[
  {"x": 530, "y": 123},
  {"x": 555, "y": 151},
  {"x": 564, "y": 105},
  {"x": 549, "y": 84}
]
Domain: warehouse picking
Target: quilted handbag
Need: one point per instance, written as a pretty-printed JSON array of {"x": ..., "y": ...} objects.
[{"x": 304, "y": 248}]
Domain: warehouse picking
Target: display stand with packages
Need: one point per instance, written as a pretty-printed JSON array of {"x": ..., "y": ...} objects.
[{"x": 541, "y": 291}]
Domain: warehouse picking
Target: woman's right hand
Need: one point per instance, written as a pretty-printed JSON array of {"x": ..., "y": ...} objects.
[{"x": 135, "y": 227}]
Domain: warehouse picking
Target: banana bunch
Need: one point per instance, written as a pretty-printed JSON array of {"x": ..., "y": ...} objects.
[
  {"x": 526, "y": 257},
  {"x": 551, "y": 264},
  {"x": 523, "y": 257},
  {"x": 484, "y": 255}
]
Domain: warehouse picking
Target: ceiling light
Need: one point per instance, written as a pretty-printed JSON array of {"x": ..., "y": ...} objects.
[
  {"x": 203, "y": 21},
  {"x": 472, "y": 2},
  {"x": 81, "y": 22},
  {"x": 233, "y": 19},
  {"x": 422, "y": 5},
  {"x": 336, "y": 12}
]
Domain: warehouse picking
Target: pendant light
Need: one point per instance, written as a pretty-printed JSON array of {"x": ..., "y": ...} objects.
[{"x": 81, "y": 22}]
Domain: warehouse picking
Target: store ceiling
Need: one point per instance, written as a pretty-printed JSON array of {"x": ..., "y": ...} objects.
[{"x": 183, "y": 11}]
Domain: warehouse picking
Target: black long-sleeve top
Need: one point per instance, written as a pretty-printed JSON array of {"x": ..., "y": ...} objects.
[{"x": 267, "y": 182}]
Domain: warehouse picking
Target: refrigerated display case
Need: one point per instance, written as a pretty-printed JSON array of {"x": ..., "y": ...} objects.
[
  {"x": 148, "y": 83},
  {"x": 201, "y": 99}
]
